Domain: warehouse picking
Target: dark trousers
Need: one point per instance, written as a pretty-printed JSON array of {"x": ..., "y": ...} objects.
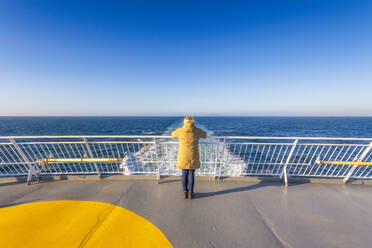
[{"x": 188, "y": 180}]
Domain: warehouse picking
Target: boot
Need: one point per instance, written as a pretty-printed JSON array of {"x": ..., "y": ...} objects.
[
  {"x": 191, "y": 195},
  {"x": 184, "y": 194}
]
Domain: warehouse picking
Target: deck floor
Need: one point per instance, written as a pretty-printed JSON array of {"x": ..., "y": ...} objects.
[{"x": 227, "y": 214}]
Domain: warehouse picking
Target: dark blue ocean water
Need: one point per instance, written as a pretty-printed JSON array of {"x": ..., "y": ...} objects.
[{"x": 218, "y": 126}]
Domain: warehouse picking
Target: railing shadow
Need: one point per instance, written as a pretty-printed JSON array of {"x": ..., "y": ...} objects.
[
  {"x": 18, "y": 180},
  {"x": 198, "y": 195},
  {"x": 260, "y": 184},
  {"x": 15, "y": 204}
]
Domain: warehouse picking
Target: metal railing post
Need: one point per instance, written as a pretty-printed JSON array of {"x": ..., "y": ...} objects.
[
  {"x": 91, "y": 156},
  {"x": 26, "y": 159},
  {"x": 362, "y": 156},
  {"x": 223, "y": 154},
  {"x": 216, "y": 162},
  {"x": 157, "y": 159},
  {"x": 284, "y": 172}
]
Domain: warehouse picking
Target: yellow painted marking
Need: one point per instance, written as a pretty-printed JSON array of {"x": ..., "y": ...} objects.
[
  {"x": 345, "y": 162},
  {"x": 76, "y": 224}
]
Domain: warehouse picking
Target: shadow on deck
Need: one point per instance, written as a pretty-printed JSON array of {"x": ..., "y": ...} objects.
[{"x": 226, "y": 213}]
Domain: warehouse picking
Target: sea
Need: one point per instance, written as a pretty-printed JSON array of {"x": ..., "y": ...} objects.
[
  {"x": 347, "y": 127},
  {"x": 234, "y": 153}
]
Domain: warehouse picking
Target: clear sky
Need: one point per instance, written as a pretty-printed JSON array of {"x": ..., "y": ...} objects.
[{"x": 186, "y": 57}]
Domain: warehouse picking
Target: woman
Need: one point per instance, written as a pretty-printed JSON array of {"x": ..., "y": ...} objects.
[{"x": 188, "y": 153}]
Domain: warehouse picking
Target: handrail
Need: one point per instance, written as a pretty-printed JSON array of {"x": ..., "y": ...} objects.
[
  {"x": 45, "y": 161},
  {"x": 233, "y": 156},
  {"x": 345, "y": 162},
  {"x": 169, "y": 137}
]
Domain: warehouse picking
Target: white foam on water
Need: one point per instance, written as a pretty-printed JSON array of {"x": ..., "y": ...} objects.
[{"x": 166, "y": 151}]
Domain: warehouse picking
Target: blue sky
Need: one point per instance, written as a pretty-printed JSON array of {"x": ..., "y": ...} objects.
[{"x": 186, "y": 57}]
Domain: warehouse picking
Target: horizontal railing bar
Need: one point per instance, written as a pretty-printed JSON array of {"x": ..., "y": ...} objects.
[
  {"x": 91, "y": 142},
  {"x": 50, "y": 142},
  {"x": 77, "y": 173},
  {"x": 259, "y": 174},
  {"x": 161, "y": 142},
  {"x": 288, "y": 138},
  {"x": 18, "y": 163},
  {"x": 330, "y": 144},
  {"x": 168, "y": 137},
  {"x": 83, "y": 136},
  {"x": 79, "y": 160},
  {"x": 253, "y": 163},
  {"x": 92, "y": 173},
  {"x": 12, "y": 175},
  {"x": 313, "y": 175},
  {"x": 123, "y": 142},
  {"x": 290, "y": 144},
  {"x": 345, "y": 163},
  {"x": 130, "y": 161},
  {"x": 251, "y": 143}
]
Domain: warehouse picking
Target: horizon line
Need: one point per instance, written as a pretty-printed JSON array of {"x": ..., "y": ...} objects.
[{"x": 196, "y": 115}]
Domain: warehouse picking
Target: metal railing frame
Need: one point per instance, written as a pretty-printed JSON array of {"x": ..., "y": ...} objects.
[{"x": 24, "y": 153}]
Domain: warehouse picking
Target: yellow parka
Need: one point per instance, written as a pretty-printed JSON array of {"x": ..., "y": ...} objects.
[{"x": 188, "y": 146}]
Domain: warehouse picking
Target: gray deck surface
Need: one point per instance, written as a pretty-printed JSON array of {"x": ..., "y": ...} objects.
[{"x": 227, "y": 214}]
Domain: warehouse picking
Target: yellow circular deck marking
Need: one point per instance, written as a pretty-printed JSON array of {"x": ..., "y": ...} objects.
[{"x": 76, "y": 224}]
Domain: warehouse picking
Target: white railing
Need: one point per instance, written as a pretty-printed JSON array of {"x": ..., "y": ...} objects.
[{"x": 307, "y": 157}]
